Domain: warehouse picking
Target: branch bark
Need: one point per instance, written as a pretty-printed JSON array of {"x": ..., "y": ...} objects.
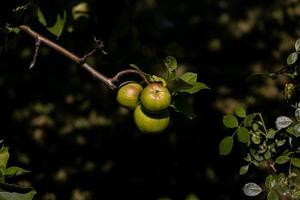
[{"x": 110, "y": 82}]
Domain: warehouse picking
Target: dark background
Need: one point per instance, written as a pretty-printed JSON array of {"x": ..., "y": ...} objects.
[{"x": 79, "y": 144}]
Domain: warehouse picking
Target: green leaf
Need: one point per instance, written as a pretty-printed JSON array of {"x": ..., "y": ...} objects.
[
  {"x": 248, "y": 121},
  {"x": 282, "y": 159},
  {"x": 230, "y": 121},
  {"x": 252, "y": 189},
  {"x": 296, "y": 162},
  {"x": 283, "y": 122},
  {"x": 195, "y": 88},
  {"x": 267, "y": 155},
  {"x": 15, "y": 171},
  {"x": 226, "y": 145},
  {"x": 189, "y": 77},
  {"x": 270, "y": 181},
  {"x": 295, "y": 130},
  {"x": 181, "y": 105},
  {"x": 297, "y": 45},
  {"x": 271, "y": 133},
  {"x": 240, "y": 111},
  {"x": 58, "y": 27},
  {"x": 292, "y": 58},
  {"x": 244, "y": 169},
  {"x": 297, "y": 114},
  {"x": 41, "y": 17},
  {"x": 177, "y": 85},
  {"x": 4, "y": 156},
  {"x": 272, "y": 195},
  {"x": 17, "y": 196},
  {"x": 243, "y": 134},
  {"x": 171, "y": 63}
]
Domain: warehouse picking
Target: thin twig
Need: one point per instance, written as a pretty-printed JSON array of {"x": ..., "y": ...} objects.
[
  {"x": 117, "y": 77},
  {"x": 110, "y": 82},
  {"x": 36, "y": 52}
]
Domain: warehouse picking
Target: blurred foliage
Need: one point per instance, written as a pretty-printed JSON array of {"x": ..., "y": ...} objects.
[{"x": 79, "y": 144}]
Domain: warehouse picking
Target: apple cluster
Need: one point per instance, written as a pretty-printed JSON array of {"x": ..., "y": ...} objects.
[{"x": 150, "y": 105}]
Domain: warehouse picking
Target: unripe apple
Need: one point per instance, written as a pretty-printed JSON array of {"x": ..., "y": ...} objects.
[
  {"x": 151, "y": 122},
  {"x": 155, "y": 97},
  {"x": 128, "y": 95}
]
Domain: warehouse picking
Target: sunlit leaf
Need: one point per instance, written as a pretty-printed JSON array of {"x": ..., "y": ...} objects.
[
  {"x": 292, "y": 58},
  {"x": 244, "y": 169},
  {"x": 17, "y": 196},
  {"x": 189, "y": 77},
  {"x": 297, "y": 45},
  {"x": 282, "y": 159},
  {"x": 58, "y": 27},
  {"x": 296, "y": 162},
  {"x": 41, "y": 17},
  {"x": 230, "y": 121},
  {"x": 195, "y": 88},
  {"x": 243, "y": 134},
  {"x": 15, "y": 171},
  {"x": 240, "y": 111},
  {"x": 283, "y": 122},
  {"x": 171, "y": 63},
  {"x": 270, "y": 181},
  {"x": 252, "y": 189},
  {"x": 226, "y": 145},
  {"x": 4, "y": 156},
  {"x": 272, "y": 195}
]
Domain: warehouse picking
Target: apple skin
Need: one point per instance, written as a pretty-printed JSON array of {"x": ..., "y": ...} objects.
[
  {"x": 128, "y": 95},
  {"x": 155, "y": 97},
  {"x": 151, "y": 122}
]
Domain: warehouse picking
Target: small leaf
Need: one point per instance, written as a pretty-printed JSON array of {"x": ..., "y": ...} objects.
[
  {"x": 244, "y": 169},
  {"x": 272, "y": 195},
  {"x": 41, "y": 17},
  {"x": 58, "y": 27},
  {"x": 171, "y": 63},
  {"x": 282, "y": 159},
  {"x": 271, "y": 133},
  {"x": 297, "y": 45},
  {"x": 17, "y": 196},
  {"x": 195, "y": 88},
  {"x": 252, "y": 189},
  {"x": 283, "y": 122},
  {"x": 240, "y": 111},
  {"x": 267, "y": 155},
  {"x": 4, "y": 156},
  {"x": 15, "y": 171},
  {"x": 248, "y": 121},
  {"x": 270, "y": 181},
  {"x": 243, "y": 134},
  {"x": 297, "y": 114},
  {"x": 296, "y": 162},
  {"x": 189, "y": 77},
  {"x": 255, "y": 139},
  {"x": 230, "y": 121},
  {"x": 226, "y": 145},
  {"x": 292, "y": 58},
  {"x": 296, "y": 130},
  {"x": 177, "y": 85}
]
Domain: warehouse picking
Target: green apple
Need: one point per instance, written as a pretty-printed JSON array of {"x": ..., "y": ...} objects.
[
  {"x": 128, "y": 94},
  {"x": 151, "y": 122},
  {"x": 155, "y": 97}
]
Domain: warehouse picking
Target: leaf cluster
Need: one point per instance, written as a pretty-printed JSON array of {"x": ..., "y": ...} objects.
[{"x": 10, "y": 191}]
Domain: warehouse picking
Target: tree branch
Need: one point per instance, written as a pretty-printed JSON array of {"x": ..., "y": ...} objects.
[{"x": 110, "y": 82}]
